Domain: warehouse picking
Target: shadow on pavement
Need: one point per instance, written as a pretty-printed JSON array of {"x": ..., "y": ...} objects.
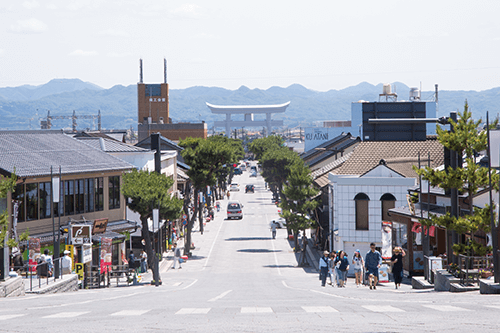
[
  {"x": 247, "y": 238},
  {"x": 258, "y": 250},
  {"x": 280, "y": 266}
]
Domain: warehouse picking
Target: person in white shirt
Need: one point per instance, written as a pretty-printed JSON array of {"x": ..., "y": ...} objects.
[
  {"x": 358, "y": 263},
  {"x": 66, "y": 263}
]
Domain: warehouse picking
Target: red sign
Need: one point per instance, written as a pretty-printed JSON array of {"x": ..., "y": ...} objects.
[
  {"x": 417, "y": 227},
  {"x": 106, "y": 254}
]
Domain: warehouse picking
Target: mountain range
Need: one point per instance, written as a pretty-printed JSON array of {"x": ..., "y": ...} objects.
[{"x": 22, "y": 107}]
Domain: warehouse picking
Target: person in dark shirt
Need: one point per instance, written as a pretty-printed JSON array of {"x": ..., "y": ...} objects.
[
  {"x": 343, "y": 267},
  {"x": 397, "y": 266}
]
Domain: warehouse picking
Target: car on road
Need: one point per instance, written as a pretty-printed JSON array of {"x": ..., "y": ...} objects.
[
  {"x": 234, "y": 187},
  {"x": 234, "y": 210},
  {"x": 243, "y": 167},
  {"x": 237, "y": 171},
  {"x": 250, "y": 188},
  {"x": 253, "y": 168},
  {"x": 253, "y": 174}
]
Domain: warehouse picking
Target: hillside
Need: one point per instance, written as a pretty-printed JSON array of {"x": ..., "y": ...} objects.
[{"x": 24, "y": 105}]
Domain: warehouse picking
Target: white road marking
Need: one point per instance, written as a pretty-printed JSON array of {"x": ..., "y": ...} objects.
[
  {"x": 254, "y": 309},
  {"x": 193, "y": 311},
  {"x": 6, "y": 317},
  {"x": 65, "y": 315},
  {"x": 382, "y": 308},
  {"x": 189, "y": 285},
  {"x": 317, "y": 309},
  {"x": 177, "y": 284},
  {"x": 212, "y": 247},
  {"x": 494, "y": 306},
  {"x": 127, "y": 313},
  {"x": 220, "y": 296},
  {"x": 445, "y": 308}
]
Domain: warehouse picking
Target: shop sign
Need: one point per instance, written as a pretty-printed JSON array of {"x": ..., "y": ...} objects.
[
  {"x": 106, "y": 254},
  {"x": 100, "y": 226},
  {"x": 34, "y": 252},
  {"x": 86, "y": 253},
  {"x": 79, "y": 269},
  {"x": 81, "y": 234}
]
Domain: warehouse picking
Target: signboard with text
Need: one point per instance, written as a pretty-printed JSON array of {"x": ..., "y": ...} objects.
[
  {"x": 99, "y": 226},
  {"x": 81, "y": 234}
]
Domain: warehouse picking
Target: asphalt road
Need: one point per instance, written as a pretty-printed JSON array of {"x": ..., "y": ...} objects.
[{"x": 241, "y": 280}]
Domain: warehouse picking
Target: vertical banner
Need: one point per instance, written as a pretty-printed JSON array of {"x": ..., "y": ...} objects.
[
  {"x": 55, "y": 188},
  {"x": 34, "y": 253},
  {"x": 106, "y": 254}
]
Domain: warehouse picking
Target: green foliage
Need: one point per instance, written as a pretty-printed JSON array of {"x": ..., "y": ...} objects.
[
  {"x": 259, "y": 146},
  {"x": 150, "y": 189},
  {"x": 277, "y": 164},
  {"x": 6, "y": 184},
  {"x": 465, "y": 139},
  {"x": 297, "y": 193}
]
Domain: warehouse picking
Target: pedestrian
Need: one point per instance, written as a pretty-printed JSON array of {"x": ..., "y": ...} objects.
[
  {"x": 144, "y": 261},
  {"x": 17, "y": 259},
  {"x": 373, "y": 260},
  {"x": 273, "y": 229},
  {"x": 323, "y": 266},
  {"x": 228, "y": 195},
  {"x": 217, "y": 204},
  {"x": 177, "y": 256},
  {"x": 131, "y": 260},
  {"x": 397, "y": 266},
  {"x": 331, "y": 268},
  {"x": 358, "y": 263},
  {"x": 343, "y": 267},
  {"x": 47, "y": 258},
  {"x": 66, "y": 263}
]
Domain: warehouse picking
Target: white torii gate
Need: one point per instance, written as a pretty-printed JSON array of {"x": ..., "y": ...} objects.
[{"x": 248, "y": 111}]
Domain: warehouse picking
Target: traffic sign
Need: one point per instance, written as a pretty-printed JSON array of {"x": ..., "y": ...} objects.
[
  {"x": 184, "y": 216},
  {"x": 79, "y": 270},
  {"x": 184, "y": 222}
]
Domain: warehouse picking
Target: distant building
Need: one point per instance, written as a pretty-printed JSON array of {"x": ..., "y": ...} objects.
[
  {"x": 361, "y": 111},
  {"x": 153, "y": 113}
]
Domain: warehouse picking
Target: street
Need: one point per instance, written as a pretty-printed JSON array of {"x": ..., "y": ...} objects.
[{"x": 241, "y": 280}]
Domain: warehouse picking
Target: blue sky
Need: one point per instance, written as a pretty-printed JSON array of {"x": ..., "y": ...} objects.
[{"x": 321, "y": 44}]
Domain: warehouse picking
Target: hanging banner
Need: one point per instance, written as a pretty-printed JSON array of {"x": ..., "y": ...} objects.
[
  {"x": 386, "y": 239},
  {"x": 106, "y": 254},
  {"x": 495, "y": 148},
  {"x": 417, "y": 227},
  {"x": 55, "y": 188},
  {"x": 34, "y": 252}
]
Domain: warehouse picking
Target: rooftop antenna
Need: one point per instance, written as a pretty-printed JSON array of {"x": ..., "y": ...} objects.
[
  {"x": 164, "y": 70},
  {"x": 140, "y": 70}
]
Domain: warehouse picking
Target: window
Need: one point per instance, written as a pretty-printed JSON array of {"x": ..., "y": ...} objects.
[
  {"x": 69, "y": 197},
  {"x": 89, "y": 195},
  {"x": 18, "y": 196},
  {"x": 114, "y": 192},
  {"x": 79, "y": 196},
  {"x": 45, "y": 194},
  {"x": 388, "y": 202},
  {"x": 31, "y": 202},
  {"x": 99, "y": 194},
  {"x": 361, "y": 201}
]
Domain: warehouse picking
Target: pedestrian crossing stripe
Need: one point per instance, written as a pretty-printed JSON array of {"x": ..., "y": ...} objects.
[
  {"x": 318, "y": 309},
  {"x": 127, "y": 313},
  {"x": 65, "y": 315},
  {"x": 256, "y": 310},
  {"x": 445, "y": 308},
  {"x": 193, "y": 311},
  {"x": 382, "y": 308},
  {"x": 7, "y": 317}
]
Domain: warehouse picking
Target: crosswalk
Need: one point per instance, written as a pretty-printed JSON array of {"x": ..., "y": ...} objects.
[{"x": 262, "y": 310}]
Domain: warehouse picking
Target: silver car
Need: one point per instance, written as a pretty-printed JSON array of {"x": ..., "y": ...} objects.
[{"x": 234, "y": 210}]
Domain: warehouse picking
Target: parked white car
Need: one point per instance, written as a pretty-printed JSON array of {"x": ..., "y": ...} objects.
[{"x": 234, "y": 187}]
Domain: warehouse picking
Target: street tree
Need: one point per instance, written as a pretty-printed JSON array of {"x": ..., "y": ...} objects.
[
  {"x": 7, "y": 184},
  {"x": 467, "y": 140},
  {"x": 206, "y": 159},
  {"x": 143, "y": 191},
  {"x": 259, "y": 146},
  {"x": 276, "y": 167},
  {"x": 297, "y": 205}
]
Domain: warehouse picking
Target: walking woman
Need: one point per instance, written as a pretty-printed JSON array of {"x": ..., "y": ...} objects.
[
  {"x": 343, "y": 267},
  {"x": 358, "y": 263},
  {"x": 397, "y": 266},
  {"x": 331, "y": 268}
]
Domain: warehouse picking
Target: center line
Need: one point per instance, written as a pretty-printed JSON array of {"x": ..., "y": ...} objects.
[{"x": 220, "y": 296}]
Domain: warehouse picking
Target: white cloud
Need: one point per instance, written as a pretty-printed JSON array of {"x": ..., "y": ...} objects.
[
  {"x": 83, "y": 53},
  {"x": 31, "y": 4},
  {"x": 187, "y": 11},
  {"x": 2, "y": 52},
  {"x": 83, "y": 4},
  {"x": 204, "y": 35},
  {"x": 114, "y": 33},
  {"x": 29, "y": 26},
  {"x": 118, "y": 55},
  {"x": 51, "y": 6}
]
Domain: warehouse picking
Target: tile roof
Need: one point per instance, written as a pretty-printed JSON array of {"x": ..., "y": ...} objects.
[
  {"x": 400, "y": 156},
  {"x": 32, "y": 153},
  {"x": 110, "y": 145},
  {"x": 330, "y": 166},
  {"x": 332, "y": 150},
  {"x": 312, "y": 152}
]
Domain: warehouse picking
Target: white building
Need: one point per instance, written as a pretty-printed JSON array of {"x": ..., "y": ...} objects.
[{"x": 375, "y": 178}]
